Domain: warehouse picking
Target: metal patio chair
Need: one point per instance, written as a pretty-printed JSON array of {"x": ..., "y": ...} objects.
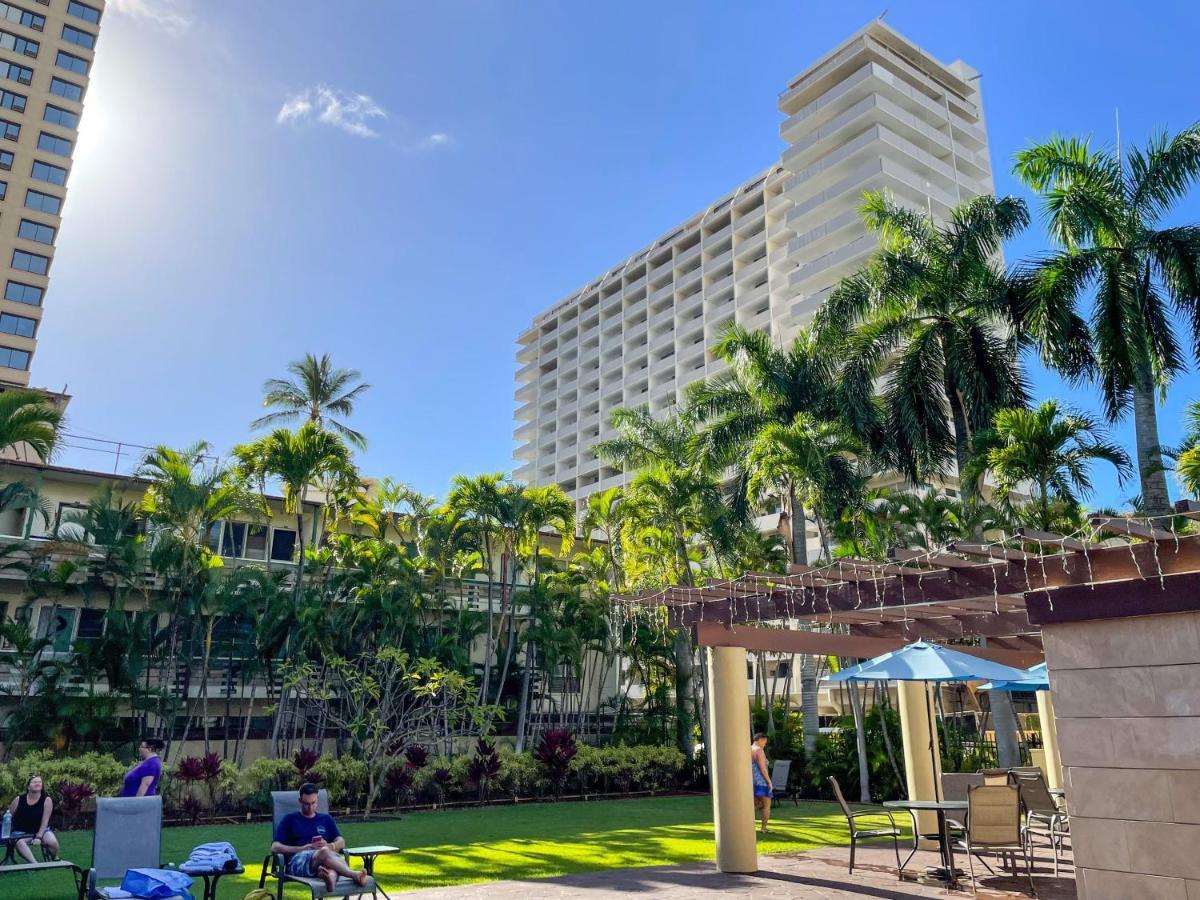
[
  {"x": 780, "y": 770},
  {"x": 994, "y": 826},
  {"x": 128, "y": 835},
  {"x": 893, "y": 831}
]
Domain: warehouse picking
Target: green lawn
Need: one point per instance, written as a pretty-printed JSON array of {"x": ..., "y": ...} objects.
[{"x": 460, "y": 846}]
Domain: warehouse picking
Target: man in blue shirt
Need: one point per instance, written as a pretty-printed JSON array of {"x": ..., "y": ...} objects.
[{"x": 312, "y": 844}]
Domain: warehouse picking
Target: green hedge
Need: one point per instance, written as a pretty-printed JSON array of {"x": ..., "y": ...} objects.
[{"x": 610, "y": 769}]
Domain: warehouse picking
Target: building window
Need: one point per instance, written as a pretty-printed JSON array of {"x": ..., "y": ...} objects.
[
  {"x": 46, "y": 203},
  {"x": 91, "y": 625},
  {"x": 3, "y": 189},
  {"x": 9, "y": 131},
  {"x": 18, "y": 15},
  {"x": 68, "y": 89},
  {"x": 21, "y": 45},
  {"x": 12, "y": 358},
  {"x": 56, "y": 623},
  {"x": 6, "y": 160},
  {"x": 256, "y": 542},
  {"x": 83, "y": 11},
  {"x": 52, "y": 144},
  {"x": 18, "y": 292},
  {"x": 12, "y": 101},
  {"x": 30, "y": 262},
  {"x": 35, "y": 231},
  {"x": 46, "y": 172},
  {"x": 23, "y": 326},
  {"x": 283, "y": 544},
  {"x": 59, "y": 116},
  {"x": 71, "y": 63},
  {"x": 80, "y": 38},
  {"x": 234, "y": 539},
  {"x": 13, "y": 72}
]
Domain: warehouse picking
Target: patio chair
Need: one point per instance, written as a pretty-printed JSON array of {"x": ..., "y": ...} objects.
[
  {"x": 856, "y": 834},
  {"x": 995, "y": 776},
  {"x": 274, "y": 865},
  {"x": 994, "y": 826},
  {"x": 128, "y": 835},
  {"x": 780, "y": 771},
  {"x": 1043, "y": 815},
  {"x": 954, "y": 787}
]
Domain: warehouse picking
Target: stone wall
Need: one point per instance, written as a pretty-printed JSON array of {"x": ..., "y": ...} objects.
[{"x": 1127, "y": 701}]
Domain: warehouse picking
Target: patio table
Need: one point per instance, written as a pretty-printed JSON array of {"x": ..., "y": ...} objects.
[
  {"x": 369, "y": 855},
  {"x": 945, "y": 846}
]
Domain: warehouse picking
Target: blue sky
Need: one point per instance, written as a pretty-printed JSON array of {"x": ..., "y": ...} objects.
[{"x": 444, "y": 171}]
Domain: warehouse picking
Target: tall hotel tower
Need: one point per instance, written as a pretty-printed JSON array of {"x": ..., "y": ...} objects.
[
  {"x": 876, "y": 113},
  {"x": 46, "y": 53}
]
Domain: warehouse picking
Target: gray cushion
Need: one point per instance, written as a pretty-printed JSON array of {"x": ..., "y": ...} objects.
[{"x": 345, "y": 887}]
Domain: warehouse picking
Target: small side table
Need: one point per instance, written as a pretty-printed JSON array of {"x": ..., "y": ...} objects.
[
  {"x": 211, "y": 879},
  {"x": 369, "y": 855}
]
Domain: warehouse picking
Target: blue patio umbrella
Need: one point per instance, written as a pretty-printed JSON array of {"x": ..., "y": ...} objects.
[
  {"x": 923, "y": 661},
  {"x": 1035, "y": 678}
]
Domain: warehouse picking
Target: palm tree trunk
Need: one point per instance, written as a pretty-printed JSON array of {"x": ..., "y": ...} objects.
[
  {"x": 1004, "y": 721},
  {"x": 1156, "y": 501},
  {"x": 684, "y": 665},
  {"x": 797, "y": 537},
  {"x": 860, "y": 741},
  {"x": 809, "y": 716}
]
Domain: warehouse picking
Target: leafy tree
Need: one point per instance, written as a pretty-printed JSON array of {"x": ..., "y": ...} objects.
[
  {"x": 317, "y": 392},
  {"x": 1105, "y": 213},
  {"x": 28, "y": 418},
  {"x": 1049, "y": 449},
  {"x": 939, "y": 323}
]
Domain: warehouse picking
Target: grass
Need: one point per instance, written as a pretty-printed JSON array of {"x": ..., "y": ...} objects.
[{"x": 507, "y": 842}]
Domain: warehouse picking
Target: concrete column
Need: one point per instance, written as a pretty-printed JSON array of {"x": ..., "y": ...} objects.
[
  {"x": 729, "y": 760},
  {"x": 922, "y": 768},
  {"x": 1054, "y": 773}
]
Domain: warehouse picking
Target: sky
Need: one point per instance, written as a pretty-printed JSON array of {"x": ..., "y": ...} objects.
[{"x": 406, "y": 185}]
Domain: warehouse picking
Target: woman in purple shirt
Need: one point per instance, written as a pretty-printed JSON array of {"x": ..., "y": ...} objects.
[{"x": 142, "y": 779}]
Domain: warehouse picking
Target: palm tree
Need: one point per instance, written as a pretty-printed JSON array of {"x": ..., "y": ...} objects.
[
  {"x": 28, "y": 418},
  {"x": 939, "y": 322},
  {"x": 813, "y": 458},
  {"x": 767, "y": 386},
  {"x": 1105, "y": 212},
  {"x": 607, "y": 514},
  {"x": 317, "y": 393},
  {"x": 296, "y": 460},
  {"x": 548, "y": 508},
  {"x": 1049, "y": 449}
]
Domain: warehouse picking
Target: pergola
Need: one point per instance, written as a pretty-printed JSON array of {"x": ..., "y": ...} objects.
[{"x": 860, "y": 608}]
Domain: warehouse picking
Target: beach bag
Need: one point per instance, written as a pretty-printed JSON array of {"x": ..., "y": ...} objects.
[{"x": 157, "y": 884}]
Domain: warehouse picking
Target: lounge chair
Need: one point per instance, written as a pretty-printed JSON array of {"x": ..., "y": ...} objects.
[
  {"x": 49, "y": 863},
  {"x": 274, "y": 865},
  {"x": 128, "y": 835},
  {"x": 780, "y": 771},
  {"x": 994, "y": 826},
  {"x": 893, "y": 831}
]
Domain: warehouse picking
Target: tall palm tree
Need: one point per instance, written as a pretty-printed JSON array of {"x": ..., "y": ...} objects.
[
  {"x": 318, "y": 392},
  {"x": 939, "y": 322},
  {"x": 1105, "y": 212},
  {"x": 296, "y": 460},
  {"x": 548, "y": 508},
  {"x": 767, "y": 386},
  {"x": 606, "y": 514},
  {"x": 28, "y": 418},
  {"x": 1049, "y": 449}
]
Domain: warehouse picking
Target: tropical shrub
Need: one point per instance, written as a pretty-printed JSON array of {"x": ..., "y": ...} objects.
[
  {"x": 555, "y": 750},
  {"x": 484, "y": 769},
  {"x": 343, "y": 776}
]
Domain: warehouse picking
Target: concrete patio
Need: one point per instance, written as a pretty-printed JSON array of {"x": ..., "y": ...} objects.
[{"x": 816, "y": 874}]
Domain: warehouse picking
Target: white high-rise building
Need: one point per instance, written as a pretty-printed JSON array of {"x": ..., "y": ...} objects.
[{"x": 876, "y": 113}]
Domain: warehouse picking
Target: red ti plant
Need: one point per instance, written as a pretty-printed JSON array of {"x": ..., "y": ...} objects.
[
  {"x": 416, "y": 758},
  {"x": 71, "y": 797},
  {"x": 484, "y": 768},
  {"x": 554, "y": 754},
  {"x": 399, "y": 780},
  {"x": 304, "y": 759}
]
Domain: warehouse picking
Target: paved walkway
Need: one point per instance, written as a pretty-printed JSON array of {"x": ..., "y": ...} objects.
[{"x": 815, "y": 874}]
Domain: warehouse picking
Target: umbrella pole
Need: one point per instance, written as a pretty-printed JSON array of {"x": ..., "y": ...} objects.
[{"x": 932, "y": 744}]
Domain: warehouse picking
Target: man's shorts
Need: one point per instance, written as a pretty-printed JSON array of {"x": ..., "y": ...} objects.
[{"x": 302, "y": 864}]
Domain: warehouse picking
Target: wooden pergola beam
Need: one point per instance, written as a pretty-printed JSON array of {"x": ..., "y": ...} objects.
[
  {"x": 818, "y": 643},
  {"x": 1114, "y": 525}
]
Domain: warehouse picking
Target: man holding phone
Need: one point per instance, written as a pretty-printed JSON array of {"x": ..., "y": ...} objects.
[{"x": 312, "y": 845}]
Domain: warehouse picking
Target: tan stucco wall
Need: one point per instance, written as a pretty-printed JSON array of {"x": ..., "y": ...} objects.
[{"x": 1127, "y": 699}]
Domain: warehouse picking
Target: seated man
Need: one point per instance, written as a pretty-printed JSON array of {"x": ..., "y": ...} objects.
[{"x": 312, "y": 845}]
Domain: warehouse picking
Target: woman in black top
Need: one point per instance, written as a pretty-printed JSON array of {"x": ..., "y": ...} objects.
[{"x": 31, "y": 816}]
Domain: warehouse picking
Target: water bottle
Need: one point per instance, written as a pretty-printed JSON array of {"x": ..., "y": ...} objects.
[{"x": 6, "y": 828}]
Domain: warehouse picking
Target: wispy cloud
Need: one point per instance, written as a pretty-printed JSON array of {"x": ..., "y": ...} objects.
[
  {"x": 434, "y": 141},
  {"x": 353, "y": 113},
  {"x": 172, "y": 16}
]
